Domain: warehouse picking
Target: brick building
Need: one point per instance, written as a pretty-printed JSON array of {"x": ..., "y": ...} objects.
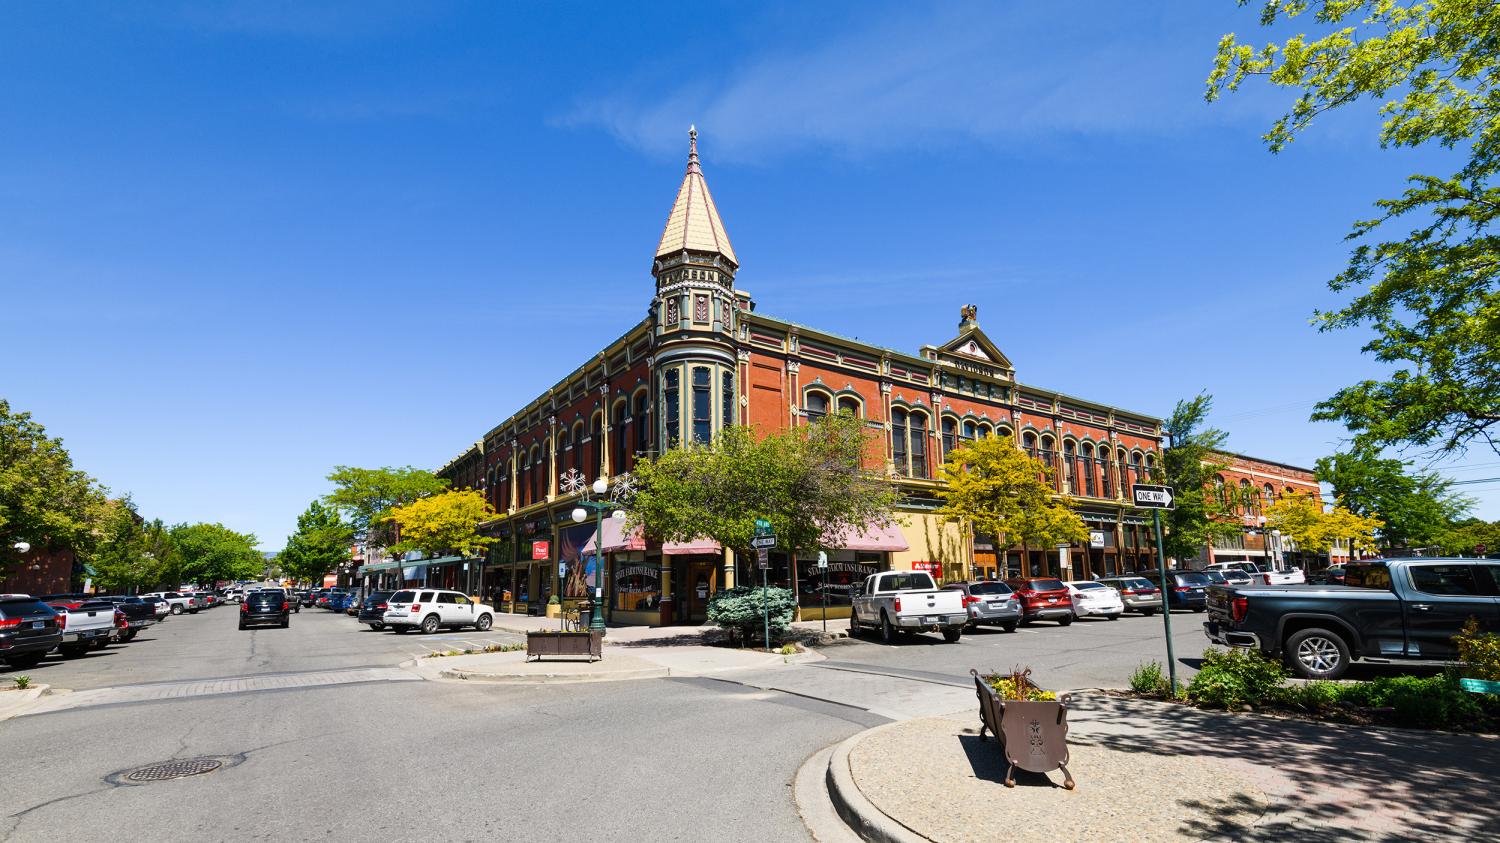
[
  {"x": 706, "y": 358},
  {"x": 1248, "y": 485}
]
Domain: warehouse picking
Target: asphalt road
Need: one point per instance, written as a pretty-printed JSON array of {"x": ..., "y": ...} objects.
[{"x": 395, "y": 757}]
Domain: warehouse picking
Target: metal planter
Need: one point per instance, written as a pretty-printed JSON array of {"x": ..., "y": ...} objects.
[
  {"x": 541, "y": 644},
  {"x": 1033, "y": 735}
]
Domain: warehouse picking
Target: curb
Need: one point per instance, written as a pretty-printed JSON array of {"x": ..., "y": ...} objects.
[
  {"x": 867, "y": 822},
  {"x": 553, "y": 678},
  {"x": 16, "y": 703},
  {"x": 815, "y": 805}
]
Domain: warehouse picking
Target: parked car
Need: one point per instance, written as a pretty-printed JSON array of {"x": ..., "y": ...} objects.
[
  {"x": 178, "y": 602},
  {"x": 304, "y": 597},
  {"x": 85, "y": 626},
  {"x": 907, "y": 601},
  {"x": 1260, "y": 576},
  {"x": 138, "y": 615},
  {"x": 1136, "y": 594},
  {"x": 1388, "y": 610},
  {"x": 341, "y": 601},
  {"x": 1043, "y": 599},
  {"x": 158, "y": 606},
  {"x": 1095, "y": 599},
  {"x": 352, "y": 607},
  {"x": 989, "y": 602},
  {"x": 372, "y": 609},
  {"x": 29, "y": 630},
  {"x": 1334, "y": 575},
  {"x": 434, "y": 609},
  {"x": 1183, "y": 589},
  {"x": 269, "y": 605},
  {"x": 207, "y": 599}
]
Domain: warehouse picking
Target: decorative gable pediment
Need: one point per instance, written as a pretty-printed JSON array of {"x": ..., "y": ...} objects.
[{"x": 972, "y": 351}]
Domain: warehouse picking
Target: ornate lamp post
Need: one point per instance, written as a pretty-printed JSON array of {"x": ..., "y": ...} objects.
[{"x": 592, "y": 499}]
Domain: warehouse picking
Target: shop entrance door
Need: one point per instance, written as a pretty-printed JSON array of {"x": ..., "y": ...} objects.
[{"x": 697, "y": 580}]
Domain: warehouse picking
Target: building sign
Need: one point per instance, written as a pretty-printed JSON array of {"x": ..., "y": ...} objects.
[
  {"x": 834, "y": 584},
  {"x": 541, "y": 551},
  {"x": 934, "y": 568},
  {"x": 1096, "y": 538}
]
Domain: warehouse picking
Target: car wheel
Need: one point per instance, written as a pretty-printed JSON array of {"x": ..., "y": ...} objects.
[
  {"x": 430, "y": 624},
  {"x": 72, "y": 651},
  {"x": 242, "y": 624},
  {"x": 854, "y": 630},
  {"x": 1009, "y": 626},
  {"x": 1113, "y": 617},
  {"x": 377, "y": 626},
  {"x": 128, "y": 635},
  {"x": 176, "y": 610},
  {"x": 26, "y": 661},
  {"x": 399, "y": 630},
  {"x": 192, "y": 611},
  {"x": 887, "y": 632},
  {"x": 1146, "y": 613},
  {"x": 286, "y": 622},
  {"x": 485, "y": 621},
  {"x": 1317, "y": 654},
  {"x": 98, "y": 643},
  {"x": 952, "y": 634},
  {"x": 1064, "y": 621}
]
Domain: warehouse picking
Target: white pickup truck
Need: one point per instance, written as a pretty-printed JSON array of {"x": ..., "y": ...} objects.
[
  {"x": 907, "y": 601},
  {"x": 86, "y": 625},
  {"x": 1260, "y": 577},
  {"x": 177, "y": 603}
]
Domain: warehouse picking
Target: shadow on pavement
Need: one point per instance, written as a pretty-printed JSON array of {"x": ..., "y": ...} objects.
[{"x": 1341, "y": 783}]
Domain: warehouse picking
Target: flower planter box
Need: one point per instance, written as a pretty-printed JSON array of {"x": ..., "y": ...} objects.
[
  {"x": 541, "y": 644},
  {"x": 1033, "y": 735},
  {"x": 553, "y": 610}
]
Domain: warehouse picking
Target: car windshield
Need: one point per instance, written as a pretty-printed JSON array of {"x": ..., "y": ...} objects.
[
  {"x": 1088, "y": 586},
  {"x": 1192, "y": 579},
  {"x": 989, "y": 588},
  {"x": 1047, "y": 585},
  {"x": 403, "y": 596}
]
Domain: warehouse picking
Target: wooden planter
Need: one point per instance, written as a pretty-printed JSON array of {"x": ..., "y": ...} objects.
[
  {"x": 1033, "y": 735},
  {"x": 541, "y": 644}
]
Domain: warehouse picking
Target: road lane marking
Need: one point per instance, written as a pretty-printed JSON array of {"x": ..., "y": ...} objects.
[{"x": 159, "y": 691}]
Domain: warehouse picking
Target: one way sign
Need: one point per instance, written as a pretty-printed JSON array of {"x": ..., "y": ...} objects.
[{"x": 1152, "y": 497}]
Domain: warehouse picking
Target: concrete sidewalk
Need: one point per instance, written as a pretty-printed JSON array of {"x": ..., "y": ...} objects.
[
  {"x": 1156, "y": 771},
  {"x": 621, "y": 662},
  {"x": 803, "y": 632}
]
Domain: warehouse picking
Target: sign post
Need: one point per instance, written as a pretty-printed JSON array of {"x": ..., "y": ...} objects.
[
  {"x": 763, "y": 542},
  {"x": 823, "y": 569},
  {"x": 1157, "y": 498}
]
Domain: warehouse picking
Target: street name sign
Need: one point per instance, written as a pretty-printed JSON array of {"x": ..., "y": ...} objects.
[
  {"x": 1152, "y": 497},
  {"x": 759, "y": 542}
]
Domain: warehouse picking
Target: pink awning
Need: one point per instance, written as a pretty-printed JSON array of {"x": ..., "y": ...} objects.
[
  {"x": 871, "y": 538},
  {"x": 690, "y": 548},
  {"x": 615, "y": 539}
]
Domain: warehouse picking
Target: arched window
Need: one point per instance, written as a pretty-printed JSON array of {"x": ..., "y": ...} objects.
[
  {"x": 578, "y": 446},
  {"x": 1028, "y": 443},
  {"x": 898, "y": 442},
  {"x": 564, "y": 453},
  {"x": 949, "y": 438},
  {"x": 502, "y": 481},
  {"x": 1151, "y": 468},
  {"x": 1122, "y": 460},
  {"x": 641, "y": 418},
  {"x": 817, "y": 406},
  {"x": 1048, "y": 457},
  {"x": 1086, "y": 467},
  {"x": 970, "y": 432},
  {"x": 671, "y": 403},
  {"x": 726, "y": 397},
  {"x": 539, "y": 473},
  {"x": 1268, "y": 494},
  {"x": 1246, "y": 500},
  {"x": 1219, "y": 494},
  {"x": 1106, "y": 476},
  {"x": 1135, "y": 467},
  {"x": 919, "y": 445},
  {"x": 1002, "y": 430},
  {"x": 850, "y": 405},
  {"x": 1070, "y": 470},
  {"x": 703, "y": 420},
  {"x": 621, "y": 442},
  {"x": 985, "y": 431}
]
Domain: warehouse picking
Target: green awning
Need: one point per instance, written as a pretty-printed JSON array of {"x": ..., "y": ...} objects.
[{"x": 413, "y": 563}]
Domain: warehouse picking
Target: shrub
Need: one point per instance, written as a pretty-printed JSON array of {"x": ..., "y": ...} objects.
[
  {"x": 1148, "y": 678},
  {"x": 554, "y": 600},
  {"x": 1313, "y": 696},
  {"x": 22, "y": 682},
  {"x": 1425, "y": 702},
  {"x": 1479, "y": 651},
  {"x": 1005, "y": 687},
  {"x": 1232, "y": 678},
  {"x": 740, "y": 610}
]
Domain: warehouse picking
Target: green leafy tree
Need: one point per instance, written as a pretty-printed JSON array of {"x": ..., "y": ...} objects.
[
  {"x": 1417, "y": 508},
  {"x": 444, "y": 523},
  {"x": 319, "y": 545},
  {"x": 1189, "y": 466},
  {"x": 366, "y": 496},
  {"x": 1315, "y": 528},
  {"x": 44, "y": 500},
  {"x": 209, "y": 553},
  {"x": 1430, "y": 299},
  {"x": 119, "y": 557},
  {"x": 810, "y": 482},
  {"x": 999, "y": 490},
  {"x": 1466, "y": 537}
]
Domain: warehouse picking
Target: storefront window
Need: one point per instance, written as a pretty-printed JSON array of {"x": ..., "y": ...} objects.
[
  {"x": 636, "y": 583},
  {"x": 845, "y": 572}
]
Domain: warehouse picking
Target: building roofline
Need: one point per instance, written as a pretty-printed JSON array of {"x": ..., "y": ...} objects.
[{"x": 1264, "y": 460}]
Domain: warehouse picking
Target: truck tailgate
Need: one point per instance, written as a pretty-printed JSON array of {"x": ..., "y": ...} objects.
[{"x": 940, "y": 602}]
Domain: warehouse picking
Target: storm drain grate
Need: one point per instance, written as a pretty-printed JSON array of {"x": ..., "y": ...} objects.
[{"x": 174, "y": 770}]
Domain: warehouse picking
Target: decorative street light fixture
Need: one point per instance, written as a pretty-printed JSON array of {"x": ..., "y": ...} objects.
[
  {"x": 22, "y": 547},
  {"x": 591, "y": 497},
  {"x": 1276, "y": 558}
]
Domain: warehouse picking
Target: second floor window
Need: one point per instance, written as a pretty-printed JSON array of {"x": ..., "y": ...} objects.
[
  {"x": 703, "y": 420},
  {"x": 671, "y": 398},
  {"x": 817, "y": 406}
]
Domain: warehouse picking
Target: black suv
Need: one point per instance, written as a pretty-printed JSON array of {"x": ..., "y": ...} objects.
[
  {"x": 372, "y": 609},
  {"x": 269, "y": 605},
  {"x": 28, "y": 630},
  {"x": 1184, "y": 589}
]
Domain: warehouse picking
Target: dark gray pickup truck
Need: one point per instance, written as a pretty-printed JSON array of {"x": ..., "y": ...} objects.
[{"x": 1388, "y": 610}]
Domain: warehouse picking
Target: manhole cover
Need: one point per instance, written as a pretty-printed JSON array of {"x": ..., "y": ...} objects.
[{"x": 174, "y": 770}]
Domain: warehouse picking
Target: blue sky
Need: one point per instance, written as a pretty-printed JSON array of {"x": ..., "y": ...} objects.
[{"x": 241, "y": 243}]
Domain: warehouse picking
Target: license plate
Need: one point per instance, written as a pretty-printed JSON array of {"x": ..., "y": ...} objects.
[
  {"x": 88, "y": 634},
  {"x": 1051, "y": 599},
  {"x": 38, "y": 624},
  {"x": 930, "y": 619},
  {"x": 997, "y": 605}
]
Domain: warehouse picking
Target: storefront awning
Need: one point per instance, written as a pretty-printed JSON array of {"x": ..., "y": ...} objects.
[
  {"x": 886, "y": 538},
  {"x": 375, "y": 567},
  {"x": 690, "y": 548},
  {"x": 615, "y": 539}
]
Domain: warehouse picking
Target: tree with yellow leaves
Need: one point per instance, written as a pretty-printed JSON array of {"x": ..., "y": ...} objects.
[
  {"x": 1303, "y": 520},
  {"x": 443, "y": 523},
  {"x": 1001, "y": 491}
]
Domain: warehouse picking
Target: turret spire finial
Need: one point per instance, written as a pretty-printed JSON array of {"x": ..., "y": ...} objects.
[{"x": 693, "y": 150}]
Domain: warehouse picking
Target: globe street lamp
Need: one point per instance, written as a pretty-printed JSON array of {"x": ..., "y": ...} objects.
[
  {"x": 1276, "y": 559},
  {"x": 22, "y": 547},
  {"x": 591, "y": 497}
]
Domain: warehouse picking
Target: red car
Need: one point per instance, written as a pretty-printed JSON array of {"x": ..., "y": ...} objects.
[{"x": 1043, "y": 599}]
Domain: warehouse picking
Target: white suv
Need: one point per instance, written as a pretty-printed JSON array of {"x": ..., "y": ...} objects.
[{"x": 431, "y": 609}]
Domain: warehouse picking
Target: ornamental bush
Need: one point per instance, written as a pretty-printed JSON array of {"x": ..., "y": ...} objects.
[
  {"x": 1148, "y": 678},
  {"x": 1229, "y": 679},
  {"x": 739, "y": 610},
  {"x": 1479, "y": 651},
  {"x": 1425, "y": 702}
]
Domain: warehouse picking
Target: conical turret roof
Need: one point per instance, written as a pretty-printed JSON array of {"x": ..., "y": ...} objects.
[{"x": 694, "y": 222}]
